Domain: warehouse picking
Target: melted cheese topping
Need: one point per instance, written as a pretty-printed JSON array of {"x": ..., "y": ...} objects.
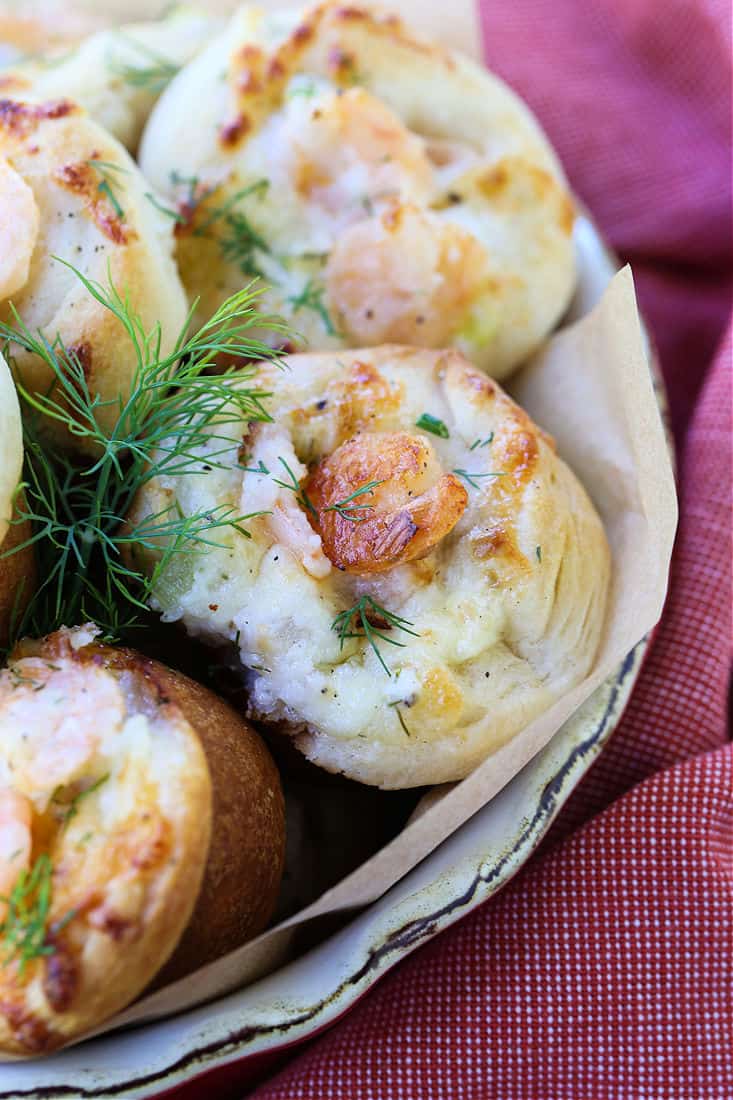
[
  {"x": 506, "y": 601},
  {"x": 386, "y": 191}
]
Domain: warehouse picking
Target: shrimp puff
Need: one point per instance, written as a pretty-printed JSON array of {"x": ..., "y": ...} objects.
[
  {"x": 386, "y": 189},
  {"x": 70, "y": 192},
  {"x": 115, "y": 74},
  {"x": 424, "y": 578},
  {"x": 141, "y": 823}
]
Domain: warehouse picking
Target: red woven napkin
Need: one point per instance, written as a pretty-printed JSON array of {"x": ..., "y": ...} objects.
[{"x": 604, "y": 969}]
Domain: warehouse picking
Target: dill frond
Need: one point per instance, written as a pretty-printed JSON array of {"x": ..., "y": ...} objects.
[
  {"x": 69, "y": 809},
  {"x": 433, "y": 424},
  {"x": 238, "y": 240},
  {"x": 175, "y": 420},
  {"x": 350, "y": 511},
  {"x": 294, "y": 485},
  {"x": 472, "y": 478},
  {"x": 153, "y": 72},
  {"x": 24, "y": 929},
  {"x": 373, "y": 620},
  {"x": 108, "y": 171},
  {"x": 311, "y": 297}
]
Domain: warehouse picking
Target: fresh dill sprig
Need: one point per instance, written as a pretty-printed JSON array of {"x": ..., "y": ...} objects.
[
  {"x": 433, "y": 424},
  {"x": 107, "y": 170},
  {"x": 294, "y": 485},
  {"x": 153, "y": 73},
  {"x": 238, "y": 240},
  {"x": 538, "y": 553},
  {"x": 346, "y": 509},
  {"x": 477, "y": 443},
  {"x": 24, "y": 928},
  {"x": 311, "y": 297},
  {"x": 471, "y": 477},
  {"x": 371, "y": 628},
  {"x": 176, "y": 419}
]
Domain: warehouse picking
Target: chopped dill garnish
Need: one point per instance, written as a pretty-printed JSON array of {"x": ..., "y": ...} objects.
[
  {"x": 304, "y": 87},
  {"x": 295, "y": 487},
  {"x": 196, "y": 192},
  {"x": 71, "y": 808},
  {"x": 433, "y": 424},
  {"x": 107, "y": 171},
  {"x": 105, "y": 188},
  {"x": 373, "y": 620},
  {"x": 482, "y": 442},
  {"x": 87, "y": 547},
  {"x": 346, "y": 509},
  {"x": 260, "y": 468},
  {"x": 471, "y": 477},
  {"x": 538, "y": 552},
  {"x": 23, "y": 930},
  {"x": 238, "y": 240},
  {"x": 17, "y": 679},
  {"x": 400, "y": 719},
  {"x": 153, "y": 72},
  {"x": 311, "y": 297},
  {"x": 167, "y": 210}
]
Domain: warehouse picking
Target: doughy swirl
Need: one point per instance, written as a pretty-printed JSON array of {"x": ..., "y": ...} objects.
[
  {"x": 385, "y": 189},
  {"x": 425, "y": 576}
]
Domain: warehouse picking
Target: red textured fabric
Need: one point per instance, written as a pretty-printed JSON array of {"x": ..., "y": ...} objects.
[{"x": 604, "y": 969}]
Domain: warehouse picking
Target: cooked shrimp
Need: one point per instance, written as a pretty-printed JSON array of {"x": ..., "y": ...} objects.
[
  {"x": 77, "y": 705},
  {"x": 19, "y": 221},
  {"x": 351, "y": 152},
  {"x": 382, "y": 500},
  {"x": 406, "y": 277},
  {"x": 15, "y": 840}
]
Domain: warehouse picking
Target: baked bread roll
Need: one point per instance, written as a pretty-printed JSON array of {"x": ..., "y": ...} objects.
[
  {"x": 384, "y": 188},
  {"x": 426, "y": 574},
  {"x": 69, "y": 190},
  {"x": 115, "y": 74},
  {"x": 17, "y": 569},
  {"x": 141, "y": 820}
]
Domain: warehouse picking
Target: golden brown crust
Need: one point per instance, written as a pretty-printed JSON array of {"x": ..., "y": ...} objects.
[{"x": 247, "y": 852}]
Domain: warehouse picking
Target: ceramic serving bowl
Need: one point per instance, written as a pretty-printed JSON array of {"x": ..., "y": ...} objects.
[{"x": 306, "y": 995}]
